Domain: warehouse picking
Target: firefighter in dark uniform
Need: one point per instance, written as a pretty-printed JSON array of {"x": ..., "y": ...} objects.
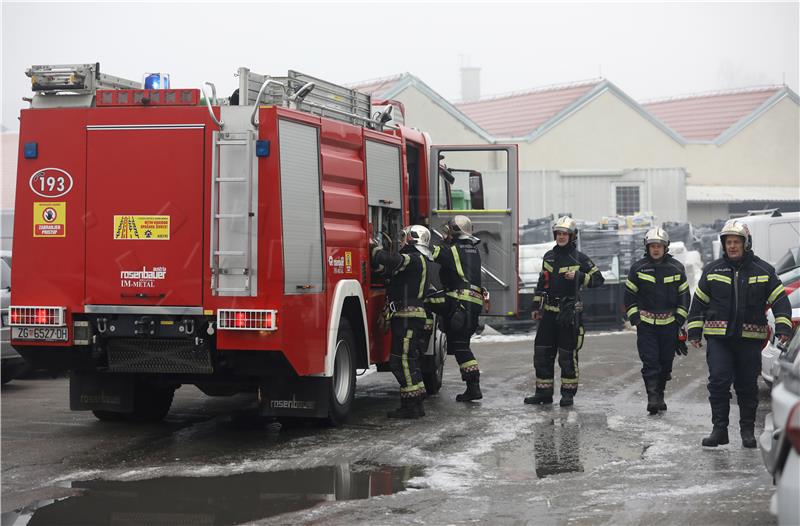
[
  {"x": 729, "y": 308},
  {"x": 657, "y": 301},
  {"x": 460, "y": 275},
  {"x": 560, "y": 333},
  {"x": 407, "y": 274}
]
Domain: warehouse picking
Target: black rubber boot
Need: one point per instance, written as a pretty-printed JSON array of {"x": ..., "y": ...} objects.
[
  {"x": 747, "y": 423},
  {"x": 473, "y": 392},
  {"x": 540, "y": 398},
  {"x": 567, "y": 399},
  {"x": 651, "y": 386},
  {"x": 718, "y": 437},
  {"x": 409, "y": 408},
  {"x": 662, "y": 405}
]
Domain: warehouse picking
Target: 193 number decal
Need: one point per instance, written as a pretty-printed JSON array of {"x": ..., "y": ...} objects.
[{"x": 51, "y": 182}]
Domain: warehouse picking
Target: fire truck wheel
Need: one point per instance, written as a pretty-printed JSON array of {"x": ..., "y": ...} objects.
[
  {"x": 109, "y": 416},
  {"x": 343, "y": 381},
  {"x": 433, "y": 365},
  {"x": 151, "y": 403}
]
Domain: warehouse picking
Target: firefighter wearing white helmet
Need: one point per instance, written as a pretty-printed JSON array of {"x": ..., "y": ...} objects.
[
  {"x": 728, "y": 308},
  {"x": 560, "y": 332},
  {"x": 407, "y": 276},
  {"x": 460, "y": 274},
  {"x": 657, "y": 304}
]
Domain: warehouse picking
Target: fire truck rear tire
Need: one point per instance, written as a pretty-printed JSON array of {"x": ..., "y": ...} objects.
[
  {"x": 343, "y": 382},
  {"x": 109, "y": 416},
  {"x": 151, "y": 403}
]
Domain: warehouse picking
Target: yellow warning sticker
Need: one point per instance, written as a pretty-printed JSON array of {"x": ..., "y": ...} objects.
[
  {"x": 141, "y": 227},
  {"x": 50, "y": 219}
]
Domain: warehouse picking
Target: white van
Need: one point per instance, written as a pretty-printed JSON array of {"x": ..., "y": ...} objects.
[{"x": 773, "y": 233}]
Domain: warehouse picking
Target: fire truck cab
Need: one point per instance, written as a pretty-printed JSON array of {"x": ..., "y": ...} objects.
[{"x": 167, "y": 237}]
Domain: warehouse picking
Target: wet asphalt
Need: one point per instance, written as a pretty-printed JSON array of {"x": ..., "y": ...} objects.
[{"x": 497, "y": 461}]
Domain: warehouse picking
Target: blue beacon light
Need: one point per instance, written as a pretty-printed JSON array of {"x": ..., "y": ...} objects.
[{"x": 156, "y": 81}]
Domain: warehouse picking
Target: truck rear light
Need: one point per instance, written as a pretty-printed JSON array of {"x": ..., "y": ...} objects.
[
  {"x": 247, "y": 320},
  {"x": 39, "y": 316},
  {"x": 793, "y": 427}
]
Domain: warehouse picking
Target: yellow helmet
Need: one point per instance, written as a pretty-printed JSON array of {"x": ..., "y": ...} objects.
[
  {"x": 734, "y": 227},
  {"x": 566, "y": 224}
]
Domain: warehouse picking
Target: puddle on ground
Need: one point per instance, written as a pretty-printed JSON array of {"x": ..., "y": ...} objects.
[
  {"x": 218, "y": 501},
  {"x": 564, "y": 444}
]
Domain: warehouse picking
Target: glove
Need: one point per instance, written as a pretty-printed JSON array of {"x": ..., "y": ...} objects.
[{"x": 682, "y": 348}]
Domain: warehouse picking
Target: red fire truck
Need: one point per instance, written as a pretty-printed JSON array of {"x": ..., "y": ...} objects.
[{"x": 165, "y": 237}]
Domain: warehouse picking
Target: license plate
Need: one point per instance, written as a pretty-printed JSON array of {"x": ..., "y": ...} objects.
[{"x": 42, "y": 334}]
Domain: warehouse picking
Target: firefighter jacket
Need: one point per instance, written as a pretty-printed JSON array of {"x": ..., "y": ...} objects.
[
  {"x": 407, "y": 274},
  {"x": 731, "y": 299},
  {"x": 553, "y": 286},
  {"x": 657, "y": 293},
  {"x": 460, "y": 270}
]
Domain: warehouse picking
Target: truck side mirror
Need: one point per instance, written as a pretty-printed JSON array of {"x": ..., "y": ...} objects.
[{"x": 476, "y": 190}]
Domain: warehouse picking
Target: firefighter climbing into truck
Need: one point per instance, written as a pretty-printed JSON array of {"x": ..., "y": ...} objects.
[{"x": 167, "y": 237}]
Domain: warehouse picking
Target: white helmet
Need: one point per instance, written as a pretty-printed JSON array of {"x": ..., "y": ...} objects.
[
  {"x": 656, "y": 235},
  {"x": 419, "y": 237},
  {"x": 460, "y": 227},
  {"x": 568, "y": 225},
  {"x": 736, "y": 228}
]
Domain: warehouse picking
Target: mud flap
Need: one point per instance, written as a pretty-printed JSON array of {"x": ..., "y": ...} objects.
[
  {"x": 101, "y": 392},
  {"x": 295, "y": 397}
]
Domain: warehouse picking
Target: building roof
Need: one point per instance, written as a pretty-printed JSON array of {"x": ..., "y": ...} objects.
[
  {"x": 742, "y": 194},
  {"x": 519, "y": 113},
  {"x": 377, "y": 87},
  {"x": 706, "y": 117}
]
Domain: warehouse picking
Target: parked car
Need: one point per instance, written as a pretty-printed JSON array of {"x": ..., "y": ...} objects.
[
  {"x": 780, "y": 441},
  {"x": 771, "y": 351},
  {"x": 790, "y": 280},
  {"x": 12, "y": 364},
  {"x": 789, "y": 261}
]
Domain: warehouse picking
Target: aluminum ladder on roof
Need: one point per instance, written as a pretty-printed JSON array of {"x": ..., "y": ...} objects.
[{"x": 326, "y": 99}]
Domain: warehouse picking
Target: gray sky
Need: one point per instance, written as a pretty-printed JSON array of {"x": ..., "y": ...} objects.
[{"x": 649, "y": 50}]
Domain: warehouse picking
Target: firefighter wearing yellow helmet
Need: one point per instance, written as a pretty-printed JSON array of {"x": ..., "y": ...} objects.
[
  {"x": 657, "y": 304},
  {"x": 728, "y": 308},
  {"x": 560, "y": 332}
]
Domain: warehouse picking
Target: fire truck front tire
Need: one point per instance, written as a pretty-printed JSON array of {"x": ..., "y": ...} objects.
[
  {"x": 433, "y": 365},
  {"x": 343, "y": 382}
]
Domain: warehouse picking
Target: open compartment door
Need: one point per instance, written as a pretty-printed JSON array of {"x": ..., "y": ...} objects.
[{"x": 481, "y": 182}]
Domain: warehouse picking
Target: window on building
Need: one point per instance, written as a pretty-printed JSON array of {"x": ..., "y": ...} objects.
[{"x": 628, "y": 202}]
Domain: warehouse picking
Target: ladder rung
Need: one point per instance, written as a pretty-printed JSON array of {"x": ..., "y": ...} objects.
[
  {"x": 228, "y": 271},
  {"x": 231, "y": 142},
  {"x": 233, "y": 290},
  {"x": 229, "y": 253},
  {"x": 231, "y": 179},
  {"x": 230, "y": 216}
]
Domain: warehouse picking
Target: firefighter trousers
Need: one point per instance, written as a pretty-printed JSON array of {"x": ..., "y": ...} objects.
[
  {"x": 458, "y": 342},
  {"x": 736, "y": 361},
  {"x": 553, "y": 340},
  {"x": 404, "y": 360},
  {"x": 657, "y": 345}
]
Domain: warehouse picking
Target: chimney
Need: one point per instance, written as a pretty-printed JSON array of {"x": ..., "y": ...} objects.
[{"x": 470, "y": 83}]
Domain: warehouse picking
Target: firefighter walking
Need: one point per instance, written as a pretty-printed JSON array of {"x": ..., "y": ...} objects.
[
  {"x": 460, "y": 275},
  {"x": 728, "y": 308},
  {"x": 407, "y": 274},
  {"x": 657, "y": 303},
  {"x": 560, "y": 333}
]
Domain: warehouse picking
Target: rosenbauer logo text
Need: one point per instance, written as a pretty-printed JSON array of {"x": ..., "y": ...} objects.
[{"x": 142, "y": 278}]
